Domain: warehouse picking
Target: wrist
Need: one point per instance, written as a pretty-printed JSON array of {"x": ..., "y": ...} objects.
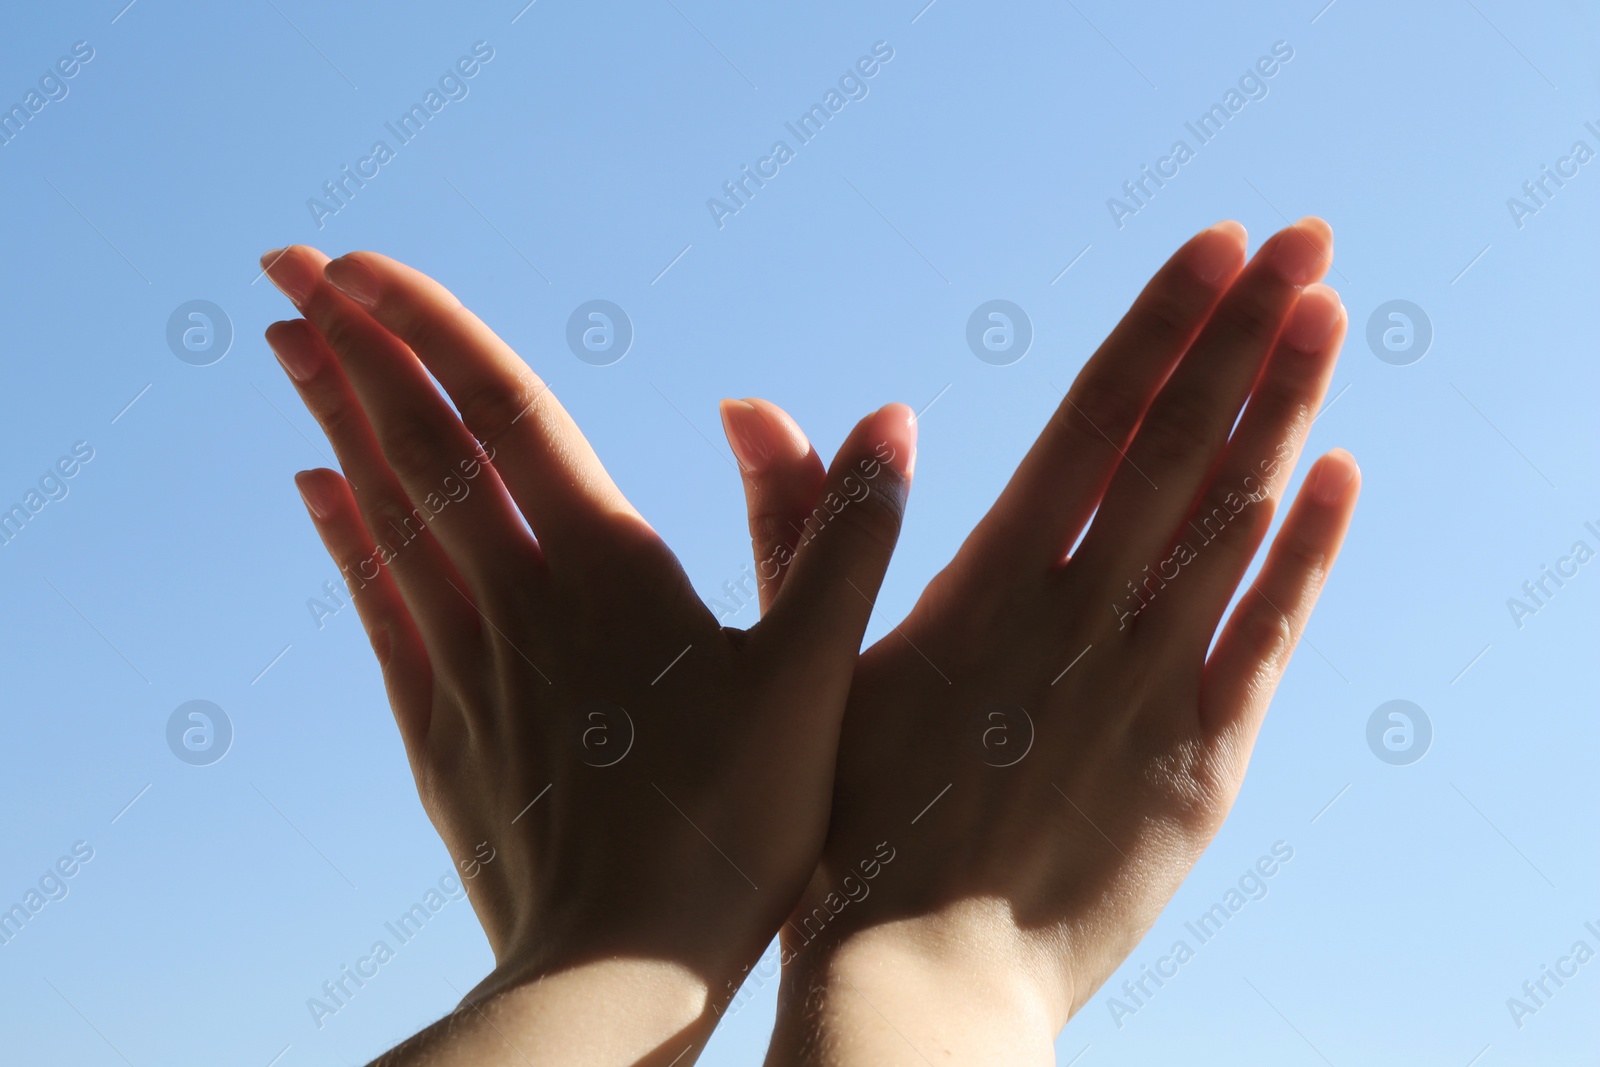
[
  {"x": 689, "y": 949},
  {"x": 963, "y": 984},
  {"x": 634, "y": 988},
  {"x": 606, "y": 1010}
]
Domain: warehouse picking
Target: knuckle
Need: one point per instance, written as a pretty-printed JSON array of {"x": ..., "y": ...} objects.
[
  {"x": 637, "y": 567},
  {"x": 493, "y": 406},
  {"x": 774, "y": 539},
  {"x": 1254, "y": 314},
  {"x": 1306, "y": 557},
  {"x": 518, "y": 601},
  {"x": 1267, "y": 630},
  {"x": 411, "y": 446},
  {"x": 638, "y": 555},
  {"x": 1100, "y": 408},
  {"x": 380, "y": 636},
  {"x": 770, "y": 530},
  {"x": 1182, "y": 431},
  {"x": 433, "y": 784},
  {"x": 1226, "y": 508},
  {"x": 423, "y": 333},
  {"x": 341, "y": 420},
  {"x": 358, "y": 566},
  {"x": 876, "y": 516},
  {"x": 1284, "y": 399},
  {"x": 341, "y": 332},
  {"x": 1168, "y": 316},
  {"x": 1193, "y": 784},
  {"x": 396, "y": 516}
]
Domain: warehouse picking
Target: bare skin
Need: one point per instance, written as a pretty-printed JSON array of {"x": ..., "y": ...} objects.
[
  {"x": 1044, "y": 744},
  {"x": 968, "y": 899},
  {"x": 653, "y": 788}
]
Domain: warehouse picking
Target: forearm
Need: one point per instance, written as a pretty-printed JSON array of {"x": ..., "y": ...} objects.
[{"x": 911, "y": 993}]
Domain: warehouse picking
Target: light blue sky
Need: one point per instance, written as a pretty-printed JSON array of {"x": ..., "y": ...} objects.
[{"x": 179, "y": 563}]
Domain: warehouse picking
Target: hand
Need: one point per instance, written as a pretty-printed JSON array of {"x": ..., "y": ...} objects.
[
  {"x": 975, "y": 891},
  {"x": 653, "y": 788}
]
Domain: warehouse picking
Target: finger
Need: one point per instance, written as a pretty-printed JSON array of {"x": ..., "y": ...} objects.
[
  {"x": 783, "y": 478},
  {"x": 1189, "y": 421},
  {"x": 1234, "y": 513},
  {"x": 1058, "y": 484},
  {"x": 405, "y": 546},
  {"x": 547, "y": 465},
  {"x": 1250, "y": 657},
  {"x": 848, "y": 537},
  {"x": 422, "y": 438},
  {"x": 396, "y": 642}
]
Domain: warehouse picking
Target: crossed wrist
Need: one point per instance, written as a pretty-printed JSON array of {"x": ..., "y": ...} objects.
[{"x": 963, "y": 984}]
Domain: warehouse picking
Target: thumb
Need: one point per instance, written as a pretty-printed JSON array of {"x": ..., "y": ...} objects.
[
  {"x": 783, "y": 477},
  {"x": 844, "y": 539}
]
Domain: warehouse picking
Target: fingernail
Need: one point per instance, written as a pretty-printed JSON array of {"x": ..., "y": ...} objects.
[
  {"x": 295, "y": 353},
  {"x": 291, "y": 274},
  {"x": 893, "y": 434},
  {"x": 316, "y": 498},
  {"x": 1314, "y": 318},
  {"x": 353, "y": 279},
  {"x": 748, "y": 435},
  {"x": 1219, "y": 251},
  {"x": 1331, "y": 478}
]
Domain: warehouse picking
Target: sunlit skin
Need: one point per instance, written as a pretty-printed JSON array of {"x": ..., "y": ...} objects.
[
  {"x": 622, "y": 902},
  {"x": 1016, "y": 890},
  {"x": 668, "y": 837}
]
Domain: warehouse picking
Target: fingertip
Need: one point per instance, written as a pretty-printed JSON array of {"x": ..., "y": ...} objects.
[
  {"x": 788, "y": 436},
  {"x": 1322, "y": 291},
  {"x": 282, "y": 330},
  {"x": 292, "y": 345},
  {"x": 317, "y": 491},
  {"x": 294, "y": 274},
  {"x": 1233, "y": 228},
  {"x": 353, "y": 278},
  {"x": 1344, "y": 457},
  {"x": 763, "y": 435},
  {"x": 1317, "y": 227},
  {"x": 747, "y": 435},
  {"x": 1219, "y": 251},
  {"x": 1334, "y": 478},
  {"x": 1303, "y": 251},
  {"x": 892, "y": 431},
  {"x": 1315, "y": 316}
]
